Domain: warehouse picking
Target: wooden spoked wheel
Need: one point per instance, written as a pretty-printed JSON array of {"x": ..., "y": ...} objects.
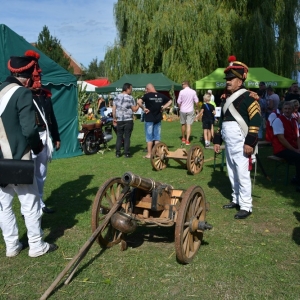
[
  {"x": 159, "y": 160},
  {"x": 195, "y": 160},
  {"x": 106, "y": 197},
  {"x": 188, "y": 238}
]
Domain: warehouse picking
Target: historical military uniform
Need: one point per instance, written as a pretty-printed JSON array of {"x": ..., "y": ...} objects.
[
  {"x": 19, "y": 134},
  {"x": 239, "y": 124},
  {"x": 42, "y": 99}
]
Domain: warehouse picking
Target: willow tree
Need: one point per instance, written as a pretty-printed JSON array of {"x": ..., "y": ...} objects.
[
  {"x": 266, "y": 33},
  {"x": 188, "y": 39}
]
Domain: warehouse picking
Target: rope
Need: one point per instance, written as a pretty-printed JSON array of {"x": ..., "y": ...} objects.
[{"x": 163, "y": 222}]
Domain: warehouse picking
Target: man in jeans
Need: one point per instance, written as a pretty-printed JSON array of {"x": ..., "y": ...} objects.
[
  {"x": 186, "y": 99},
  {"x": 153, "y": 104},
  {"x": 123, "y": 108}
]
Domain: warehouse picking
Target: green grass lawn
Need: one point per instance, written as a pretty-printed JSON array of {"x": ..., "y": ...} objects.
[{"x": 256, "y": 258}]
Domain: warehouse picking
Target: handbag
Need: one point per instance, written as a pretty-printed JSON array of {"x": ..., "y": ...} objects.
[{"x": 16, "y": 171}]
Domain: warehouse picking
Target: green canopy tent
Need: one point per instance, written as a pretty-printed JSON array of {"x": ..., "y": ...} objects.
[
  {"x": 60, "y": 82},
  {"x": 139, "y": 82},
  {"x": 216, "y": 80}
]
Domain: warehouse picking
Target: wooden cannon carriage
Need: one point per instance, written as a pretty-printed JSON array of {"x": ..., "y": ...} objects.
[
  {"x": 149, "y": 202},
  {"x": 123, "y": 203},
  {"x": 192, "y": 159}
]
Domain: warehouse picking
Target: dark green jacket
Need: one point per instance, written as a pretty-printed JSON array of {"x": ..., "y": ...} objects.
[
  {"x": 249, "y": 109},
  {"x": 19, "y": 121}
]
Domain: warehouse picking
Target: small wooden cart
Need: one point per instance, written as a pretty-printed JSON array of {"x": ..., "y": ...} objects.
[{"x": 192, "y": 159}]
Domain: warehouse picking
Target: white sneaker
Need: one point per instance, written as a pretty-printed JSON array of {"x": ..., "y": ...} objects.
[{"x": 15, "y": 252}]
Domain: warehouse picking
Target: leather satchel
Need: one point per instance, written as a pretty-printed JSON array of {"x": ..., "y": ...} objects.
[{"x": 16, "y": 171}]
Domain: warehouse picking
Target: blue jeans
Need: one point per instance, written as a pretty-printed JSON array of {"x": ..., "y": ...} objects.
[{"x": 152, "y": 131}]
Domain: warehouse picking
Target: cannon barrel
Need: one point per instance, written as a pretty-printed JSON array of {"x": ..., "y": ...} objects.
[{"x": 146, "y": 184}]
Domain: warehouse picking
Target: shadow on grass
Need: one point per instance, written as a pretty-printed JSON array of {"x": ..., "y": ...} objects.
[
  {"x": 137, "y": 148},
  {"x": 150, "y": 234},
  {"x": 69, "y": 200},
  {"x": 296, "y": 231},
  {"x": 217, "y": 182},
  {"x": 158, "y": 235}
]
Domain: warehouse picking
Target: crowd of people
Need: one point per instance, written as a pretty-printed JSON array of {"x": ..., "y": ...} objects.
[{"x": 29, "y": 130}]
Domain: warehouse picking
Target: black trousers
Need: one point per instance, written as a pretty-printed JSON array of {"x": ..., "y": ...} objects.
[
  {"x": 291, "y": 157},
  {"x": 124, "y": 130}
]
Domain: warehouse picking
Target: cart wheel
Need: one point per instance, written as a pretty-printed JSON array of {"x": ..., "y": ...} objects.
[
  {"x": 159, "y": 158},
  {"x": 106, "y": 197},
  {"x": 195, "y": 160},
  {"x": 188, "y": 237}
]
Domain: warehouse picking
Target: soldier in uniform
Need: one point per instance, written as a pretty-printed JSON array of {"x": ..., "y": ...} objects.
[
  {"x": 42, "y": 98},
  {"x": 18, "y": 135},
  {"x": 238, "y": 128}
]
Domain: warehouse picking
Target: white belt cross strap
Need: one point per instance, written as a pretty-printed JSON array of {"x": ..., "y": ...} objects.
[
  {"x": 5, "y": 96},
  {"x": 234, "y": 112},
  {"x": 49, "y": 144}
]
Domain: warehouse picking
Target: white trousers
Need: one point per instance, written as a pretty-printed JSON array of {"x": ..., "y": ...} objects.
[
  {"x": 30, "y": 208},
  {"x": 40, "y": 164},
  {"x": 237, "y": 165}
]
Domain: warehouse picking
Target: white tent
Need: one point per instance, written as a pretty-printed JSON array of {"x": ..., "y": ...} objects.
[{"x": 85, "y": 85}]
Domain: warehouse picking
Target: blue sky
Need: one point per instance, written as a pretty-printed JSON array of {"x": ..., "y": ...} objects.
[{"x": 84, "y": 28}]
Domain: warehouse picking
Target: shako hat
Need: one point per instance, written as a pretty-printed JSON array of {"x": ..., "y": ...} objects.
[
  {"x": 236, "y": 69},
  {"x": 26, "y": 66}
]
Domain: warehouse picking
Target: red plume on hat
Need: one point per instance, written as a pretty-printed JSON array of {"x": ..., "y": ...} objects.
[
  {"x": 37, "y": 70},
  {"x": 231, "y": 59},
  {"x": 32, "y": 53}
]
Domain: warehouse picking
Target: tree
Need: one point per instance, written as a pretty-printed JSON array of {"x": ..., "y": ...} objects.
[
  {"x": 95, "y": 69},
  {"x": 51, "y": 46},
  {"x": 190, "y": 39}
]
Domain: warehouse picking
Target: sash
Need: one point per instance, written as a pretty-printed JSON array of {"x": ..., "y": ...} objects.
[
  {"x": 6, "y": 94},
  {"x": 234, "y": 112}
]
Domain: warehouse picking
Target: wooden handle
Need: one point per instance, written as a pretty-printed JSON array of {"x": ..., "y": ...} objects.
[{"x": 84, "y": 249}]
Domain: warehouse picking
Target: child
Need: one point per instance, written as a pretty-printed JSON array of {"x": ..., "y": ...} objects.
[{"x": 207, "y": 113}]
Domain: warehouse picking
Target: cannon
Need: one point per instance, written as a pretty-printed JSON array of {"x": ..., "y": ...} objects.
[
  {"x": 192, "y": 159},
  {"x": 151, "y": 203},
  {"x": 124, "y": 203}
]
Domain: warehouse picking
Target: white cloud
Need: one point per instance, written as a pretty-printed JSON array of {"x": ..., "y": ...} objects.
[{"x": 84, "y": 28}]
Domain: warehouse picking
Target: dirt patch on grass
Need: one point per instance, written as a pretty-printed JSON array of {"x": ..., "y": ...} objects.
[{"x": 267, "y": 228}]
